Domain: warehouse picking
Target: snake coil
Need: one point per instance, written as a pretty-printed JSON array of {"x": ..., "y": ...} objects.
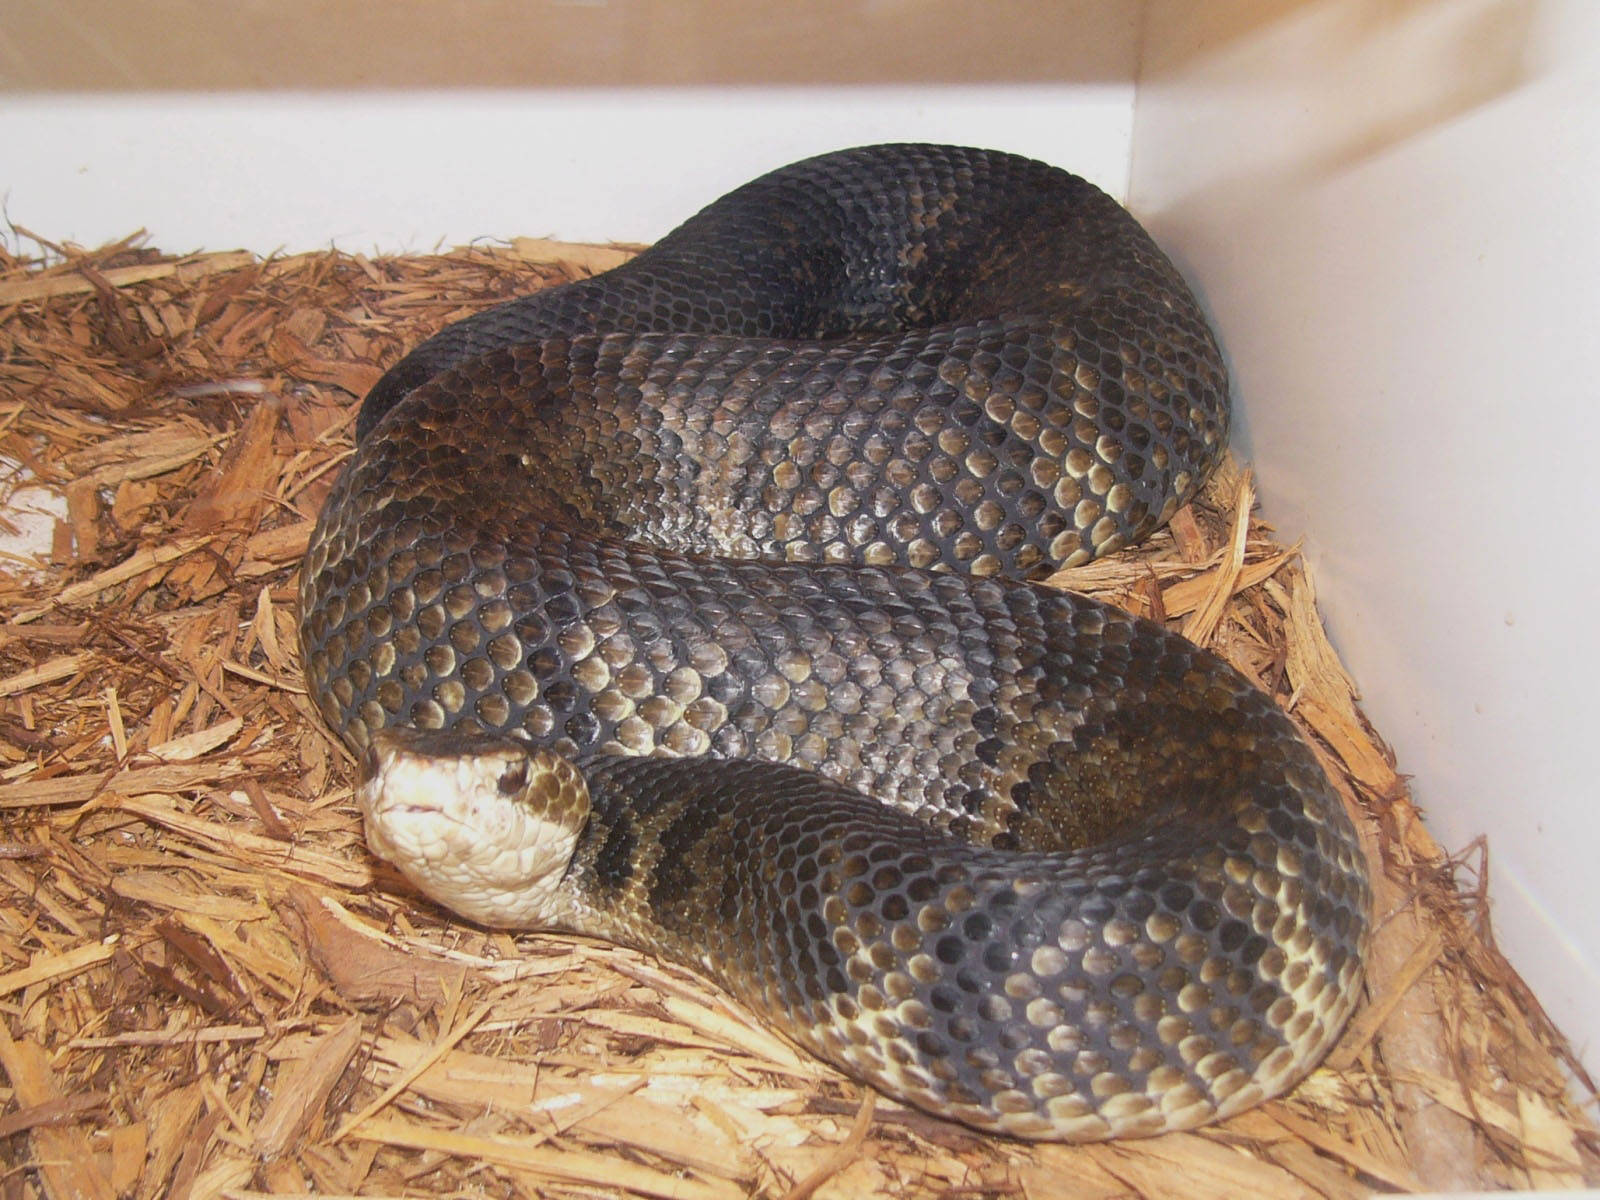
[{"x": 709, "y": 575}]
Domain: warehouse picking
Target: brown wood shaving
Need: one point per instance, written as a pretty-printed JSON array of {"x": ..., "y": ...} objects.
[{"x": 206, "y": 980}]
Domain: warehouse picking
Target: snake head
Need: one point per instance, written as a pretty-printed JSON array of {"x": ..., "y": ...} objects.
[{"x": 484, "y": 825}]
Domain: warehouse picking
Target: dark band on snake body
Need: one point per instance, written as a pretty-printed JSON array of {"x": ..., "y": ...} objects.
[{"x": 742, "y": 498}]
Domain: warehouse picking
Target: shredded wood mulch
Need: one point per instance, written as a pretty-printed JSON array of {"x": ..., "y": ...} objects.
[{"x": 209, "y": 988}]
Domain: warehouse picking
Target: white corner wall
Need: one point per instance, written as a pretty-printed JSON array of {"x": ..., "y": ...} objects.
[{"x": 1391, "y": 211}]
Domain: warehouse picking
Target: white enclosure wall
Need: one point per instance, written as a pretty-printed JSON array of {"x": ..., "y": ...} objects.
[
  {"x": 1391, "y": 211},
  {"x": 409, "y": 171},
  {"x": 411, "y": 124},
  {"x": 1389, "y": 205}
]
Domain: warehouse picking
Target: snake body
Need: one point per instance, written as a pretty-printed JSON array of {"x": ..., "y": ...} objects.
[{"x": 711, "y": 571}]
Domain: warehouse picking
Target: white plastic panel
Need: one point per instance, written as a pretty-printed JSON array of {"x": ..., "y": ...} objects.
[
  {"x": 396, "y": 171},
  {"x": 1391, "y": 211}
]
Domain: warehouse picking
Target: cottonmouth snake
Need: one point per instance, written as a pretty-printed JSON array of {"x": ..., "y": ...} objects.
[{"x": 758, "y": 505}]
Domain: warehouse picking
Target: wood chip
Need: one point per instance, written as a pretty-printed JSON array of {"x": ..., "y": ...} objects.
[
  {"x": 303, "y": 1089},
  {"x": 63, "y": 666},
  {"x": 1554, "y": 1161},
  {"x": 841, "y": 1158},
  {"x": 585, "y": 256},
  {"x": 435, "y": 1052},
  {"x": 593, "y": 1169},
  {"x": 56, "y": 1147},
  {"x": 199, "y": 743},
  {"x": 135, "y": 565},
  {"x": 1207, "y": 615},
  {"x": 133, "y": 781},
  {"x": 189, "y": 270},
  {"x": 1209, "y": 1171},
  {"x": 55, "y": 966}
]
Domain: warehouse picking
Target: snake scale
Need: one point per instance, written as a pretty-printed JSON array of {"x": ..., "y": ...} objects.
[{"x": 688, "y": 606}]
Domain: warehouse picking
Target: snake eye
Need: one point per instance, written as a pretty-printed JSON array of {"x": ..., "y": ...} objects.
[
  {"x": 514, "y": 779},
  {"x": 369, "y": 762}
]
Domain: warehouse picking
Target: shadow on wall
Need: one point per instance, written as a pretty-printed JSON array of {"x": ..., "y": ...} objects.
[
  {"x": 1395, "y": 69},
  {"x": 198, "y": 45}
]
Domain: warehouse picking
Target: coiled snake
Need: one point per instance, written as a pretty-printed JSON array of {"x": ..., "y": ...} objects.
[{"x": 684, "y": 606}]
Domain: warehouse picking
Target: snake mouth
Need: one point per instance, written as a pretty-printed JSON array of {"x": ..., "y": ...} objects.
[
  {"x": 413, "y": 813},
  {"x": 396, "y": 812}
]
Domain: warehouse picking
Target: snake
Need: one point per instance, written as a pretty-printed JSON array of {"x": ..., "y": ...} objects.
[{"x": 697, "y": 605}]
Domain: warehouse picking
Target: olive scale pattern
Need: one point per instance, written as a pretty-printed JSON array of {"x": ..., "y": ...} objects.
[{"x": 768, "y": 492}]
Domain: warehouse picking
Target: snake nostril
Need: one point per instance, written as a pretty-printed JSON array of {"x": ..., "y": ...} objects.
[{"x": 369, "y": 763}]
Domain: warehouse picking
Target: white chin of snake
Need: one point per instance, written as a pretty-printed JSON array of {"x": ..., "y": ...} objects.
[{"x": 445, "y": 825}]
